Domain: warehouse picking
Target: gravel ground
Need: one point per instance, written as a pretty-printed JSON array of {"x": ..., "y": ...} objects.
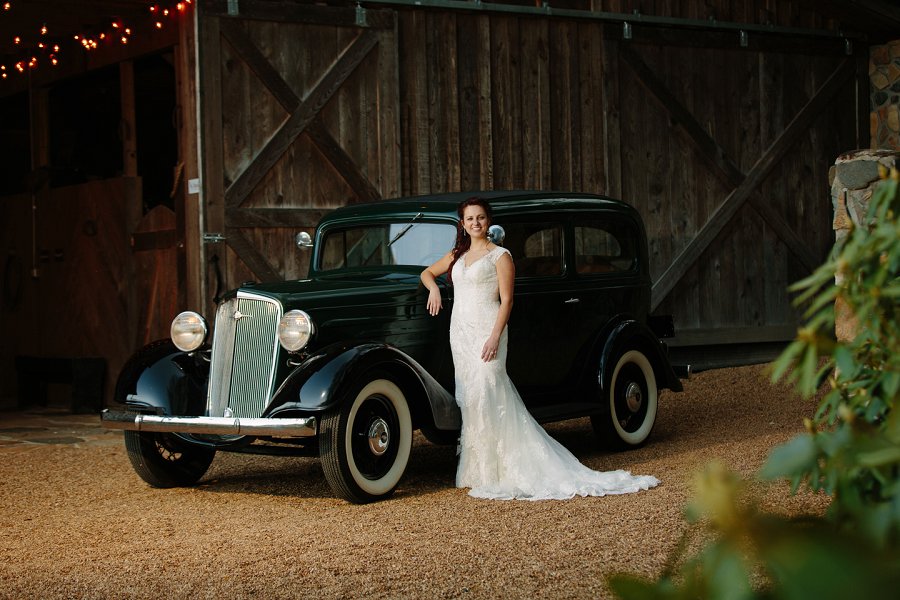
[{"x": 77, "y": 522}]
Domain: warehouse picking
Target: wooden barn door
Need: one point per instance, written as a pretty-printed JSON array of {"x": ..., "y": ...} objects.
[
  {"x": 298, "y": 116},
  {"x": 725, "y": 151}
]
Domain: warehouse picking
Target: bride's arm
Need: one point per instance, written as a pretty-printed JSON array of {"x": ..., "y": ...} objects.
[
  {"x": 506, "y": 273},
  {"x": 428, "y": 280}
]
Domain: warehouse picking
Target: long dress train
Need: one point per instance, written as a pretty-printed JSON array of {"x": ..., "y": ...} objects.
[{"x": 504, "y": 453}]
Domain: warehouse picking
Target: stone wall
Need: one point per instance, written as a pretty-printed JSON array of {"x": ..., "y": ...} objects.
[
  {"x": 884, "y": 78},
  {"x": 854, "y": 179}
]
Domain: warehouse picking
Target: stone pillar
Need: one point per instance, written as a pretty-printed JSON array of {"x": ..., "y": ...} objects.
[
  {"x": 884, "y": 78},
  {"x": 853, "y": 181}
]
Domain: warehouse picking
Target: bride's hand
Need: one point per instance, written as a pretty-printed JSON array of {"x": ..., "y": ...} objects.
[
  {"x": 489, "y": 351},
  {"x": 434, "y": 303}
]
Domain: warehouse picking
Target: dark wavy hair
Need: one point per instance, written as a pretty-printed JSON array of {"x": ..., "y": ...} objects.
[{"x": 463, "y": 241}]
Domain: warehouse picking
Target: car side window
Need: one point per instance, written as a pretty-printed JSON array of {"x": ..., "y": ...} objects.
[
  {"x": 536, "y": 248},
  {"x": 603, "y": 247}
]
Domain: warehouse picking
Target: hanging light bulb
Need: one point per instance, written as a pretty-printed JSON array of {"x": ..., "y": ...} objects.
[
  {"x": 7, "y": 5},
  {"x": 53, "y": 60},
  {"x": 17, "y": 40},
  {"x": 44, "y": 29}
]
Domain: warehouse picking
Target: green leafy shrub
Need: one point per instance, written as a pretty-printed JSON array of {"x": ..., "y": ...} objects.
[{"x": 851, "y": 448}]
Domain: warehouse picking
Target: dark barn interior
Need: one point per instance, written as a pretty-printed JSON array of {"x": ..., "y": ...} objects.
[{"x": 182, "y": 154}]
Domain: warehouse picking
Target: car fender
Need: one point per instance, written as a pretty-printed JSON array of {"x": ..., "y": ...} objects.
[
  {"x": 317, "y": 384},
  {"x": 627, "y": 334},
  {"x": 160, "y": 379}
]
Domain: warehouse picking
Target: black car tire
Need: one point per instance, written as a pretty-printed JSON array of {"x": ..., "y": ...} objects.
[
  {"x": 165, "y": 461},
  {"x": 365, "y": 442},
  {"x": 631, "y": 403}
]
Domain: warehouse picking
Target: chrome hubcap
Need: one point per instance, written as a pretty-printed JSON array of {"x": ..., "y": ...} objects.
[
  {"x": 634, "y": 398},
  {"x": 379, "y": 437}
]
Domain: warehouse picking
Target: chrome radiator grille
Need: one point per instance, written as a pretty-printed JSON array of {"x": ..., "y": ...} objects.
[{"x": 243, "y": 356}]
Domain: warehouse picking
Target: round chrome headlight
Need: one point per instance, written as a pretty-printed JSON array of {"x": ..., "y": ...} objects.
[
  {"x": 294, "y": 330},
  {"x": 188, "y": 331}
]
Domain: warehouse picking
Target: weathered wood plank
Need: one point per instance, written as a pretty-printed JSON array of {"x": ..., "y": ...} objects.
[
  {"x": 414, "y": 104},
  {"x": 563, "y": 95},
  {"x": 535, "y": 98},
  {"x": 300, "y": 118},
  {"x": 260, "y": 65},
  {"x": 610, "y": 107},
  {"x": 762, "y": 168},
  {"x": 298, "y": 218},
  {"x": 211, "y": 144},
  {"x": 506, "y": 115},
  {"x": 342, "y": 162},
  {"x": 443, "y": 102},
  {"x": 255, "y": 261}
]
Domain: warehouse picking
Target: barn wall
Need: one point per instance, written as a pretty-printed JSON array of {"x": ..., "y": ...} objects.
[
  {"x": 500, "y": 102},
  {"x": 723, "y": 148},
  {"x": 77, "y": 299}
]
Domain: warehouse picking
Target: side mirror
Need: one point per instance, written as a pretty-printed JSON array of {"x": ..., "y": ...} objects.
[
  {"x": 303, "y": 240},
  {"x": 496, "y": 234}
]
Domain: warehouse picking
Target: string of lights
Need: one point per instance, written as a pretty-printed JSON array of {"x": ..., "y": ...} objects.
[{"x": 40, "y": 47}]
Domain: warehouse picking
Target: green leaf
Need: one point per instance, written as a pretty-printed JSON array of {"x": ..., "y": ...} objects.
[{"x": 791, "y": 459}]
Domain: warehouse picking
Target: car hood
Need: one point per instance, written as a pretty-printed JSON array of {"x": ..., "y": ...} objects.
[{"x": 335, "y": 291}]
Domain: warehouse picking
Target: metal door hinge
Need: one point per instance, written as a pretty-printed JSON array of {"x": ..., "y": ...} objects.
[{"x": 213, "y": 238}]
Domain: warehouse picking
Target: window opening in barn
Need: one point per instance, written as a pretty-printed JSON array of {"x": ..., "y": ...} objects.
[
  {"x": 84, "y": 128},
  {"x": 15, "y": 151},
  {"x": 157, "y": 137}
]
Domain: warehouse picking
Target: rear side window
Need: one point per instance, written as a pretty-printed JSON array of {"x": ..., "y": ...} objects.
[
  {"x": 536, "y": 248},
  {"x": 604, "y": 247}
]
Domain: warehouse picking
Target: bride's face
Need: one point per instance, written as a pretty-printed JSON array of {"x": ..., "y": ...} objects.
[{"x": 475, "y": 221}]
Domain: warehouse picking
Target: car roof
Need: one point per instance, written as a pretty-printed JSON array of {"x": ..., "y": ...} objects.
[{"x": 502, "y": 202}]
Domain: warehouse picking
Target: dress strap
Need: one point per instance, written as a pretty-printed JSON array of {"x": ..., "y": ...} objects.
[{"x": 497, "y": 252}]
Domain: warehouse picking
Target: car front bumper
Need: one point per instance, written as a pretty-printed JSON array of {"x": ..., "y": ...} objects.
[{"x": 300, "y": 427}]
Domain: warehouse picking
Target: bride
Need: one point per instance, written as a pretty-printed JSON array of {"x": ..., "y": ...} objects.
[{"x": 505, "y": 454}]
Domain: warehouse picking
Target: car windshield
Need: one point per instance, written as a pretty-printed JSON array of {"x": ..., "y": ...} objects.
[{"x": 386, "y": 244}]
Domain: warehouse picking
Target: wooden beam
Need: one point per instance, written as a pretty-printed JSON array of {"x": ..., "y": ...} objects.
[
  {"x": 290, "y": 101},
  {"x": 260, "y": 65},
  {"x": 288, "y": 11},
  {"x": 275, "y": 217},
  {"x": 714, "y": 154},
  {"x": 342, "y": 162},
  {"x": 187, "y": 206},
  {"x": 348, "y": 61},
  {"x": 254, "y": 260},
  {"x": 726, "y": 211},
  {"x": 210, "y": 139}
]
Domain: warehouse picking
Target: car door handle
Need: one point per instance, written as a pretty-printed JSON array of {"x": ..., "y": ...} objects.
[{"x": 572, "y": 301}]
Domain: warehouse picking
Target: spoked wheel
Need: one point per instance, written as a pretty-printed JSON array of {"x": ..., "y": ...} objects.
[
  {"x": 632, "y": 400},
  {"x": 365, "y": 443},
  {"x": 164, "y": 460}
]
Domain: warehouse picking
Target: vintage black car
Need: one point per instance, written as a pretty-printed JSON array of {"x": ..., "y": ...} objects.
[{"x": 346, "y": 364}]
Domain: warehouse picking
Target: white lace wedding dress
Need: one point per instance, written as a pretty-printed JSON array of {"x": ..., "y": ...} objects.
[{"x": 504, "y": 453}]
